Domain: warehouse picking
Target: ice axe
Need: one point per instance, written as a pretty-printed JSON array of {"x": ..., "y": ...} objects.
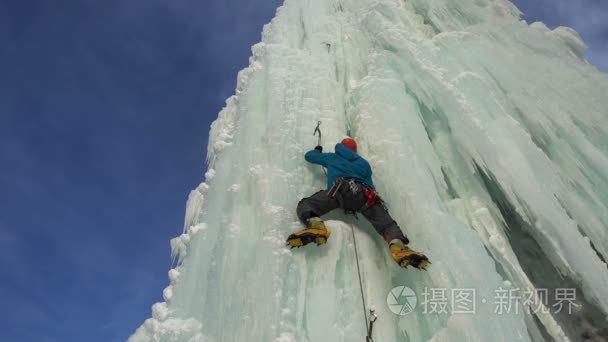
[{"x": 317, "y": 129}]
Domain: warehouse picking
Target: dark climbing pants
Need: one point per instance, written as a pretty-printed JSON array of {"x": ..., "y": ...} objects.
[{"x": 320, "y": 203}]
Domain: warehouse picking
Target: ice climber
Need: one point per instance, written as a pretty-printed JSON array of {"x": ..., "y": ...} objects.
[{"x": 350, "y": 187}]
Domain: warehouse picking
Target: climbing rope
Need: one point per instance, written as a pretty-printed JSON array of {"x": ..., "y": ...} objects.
[
  {"x": 352, "y": 228},
  {"x": 372, "y": 315},
  {"x": 371, "y": 319}
]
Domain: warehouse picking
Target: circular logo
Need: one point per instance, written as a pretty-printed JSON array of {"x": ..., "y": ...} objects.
[{"x": 401, "y": 300}]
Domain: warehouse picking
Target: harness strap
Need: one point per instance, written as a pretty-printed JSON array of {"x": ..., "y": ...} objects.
[
  {"x": 371, "y": 195},
  {"x": 334, "y": 188},
  {"x": 371, "y": 199},
  {"x": 338, "y": 197}
]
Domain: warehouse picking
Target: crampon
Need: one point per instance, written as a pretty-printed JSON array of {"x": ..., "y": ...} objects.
[
  {"x": 305, "y": 236},
  {"x": 405, "y": 257}
]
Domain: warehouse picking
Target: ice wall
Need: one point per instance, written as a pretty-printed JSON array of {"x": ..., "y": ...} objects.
[{"x": 489, "y": 141}]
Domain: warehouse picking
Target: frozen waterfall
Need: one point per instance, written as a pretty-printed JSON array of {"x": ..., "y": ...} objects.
[{"x": 489, "y": 141}]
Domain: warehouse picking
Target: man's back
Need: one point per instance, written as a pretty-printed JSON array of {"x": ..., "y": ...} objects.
[{"x": 342, "y": 164}]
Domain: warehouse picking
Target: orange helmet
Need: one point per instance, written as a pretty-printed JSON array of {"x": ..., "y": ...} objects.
[{"x": 350, "y": 143}]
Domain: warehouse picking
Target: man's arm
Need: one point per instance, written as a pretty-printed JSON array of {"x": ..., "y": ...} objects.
[{"x": 317, "y": 156}]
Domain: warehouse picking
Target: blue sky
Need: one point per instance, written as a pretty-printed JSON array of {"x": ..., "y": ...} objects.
[
  {"x": 588, "y": 17},
  {"x": 105, "y": 108}
]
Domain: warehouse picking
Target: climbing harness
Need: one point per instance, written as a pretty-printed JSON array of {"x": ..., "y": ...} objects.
[
  {"x": 371, "y": 195},
  {"x": 335, "y": 194}
]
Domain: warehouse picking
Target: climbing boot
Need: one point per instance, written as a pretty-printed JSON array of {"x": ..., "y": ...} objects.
[
  {"x": 315, "y": 231},
  {"x": 404, "y": 256}
]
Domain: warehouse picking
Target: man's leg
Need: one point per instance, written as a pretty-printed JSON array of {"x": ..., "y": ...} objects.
[
  {"x": 315, "y": 206},
  {"x": 309, "y": 211},
  {"x": 384, "y": 224}
]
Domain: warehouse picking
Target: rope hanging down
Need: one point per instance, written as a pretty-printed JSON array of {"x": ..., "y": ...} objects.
[
  {"x": 372, "y": 314},
  {"x": 352, "y": 228}
]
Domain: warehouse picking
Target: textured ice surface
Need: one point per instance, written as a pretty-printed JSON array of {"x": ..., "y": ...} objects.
[{"x": 489, "y": 141}]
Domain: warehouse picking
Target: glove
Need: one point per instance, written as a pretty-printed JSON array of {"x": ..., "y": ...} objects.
[{"x": 319, "y": 148}]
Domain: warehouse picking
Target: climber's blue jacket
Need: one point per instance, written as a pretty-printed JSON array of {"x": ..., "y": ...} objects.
[{"x": 343, "y": 164}]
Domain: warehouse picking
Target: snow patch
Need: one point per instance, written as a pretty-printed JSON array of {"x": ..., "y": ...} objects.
[
  {"x": 572, "y": 39},
  {"x": 173, "y": 276},
  {"x": 168, "y": 293}
]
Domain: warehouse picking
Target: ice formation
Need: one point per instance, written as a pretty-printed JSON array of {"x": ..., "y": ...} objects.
[{"x": 488, "y": 138}]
